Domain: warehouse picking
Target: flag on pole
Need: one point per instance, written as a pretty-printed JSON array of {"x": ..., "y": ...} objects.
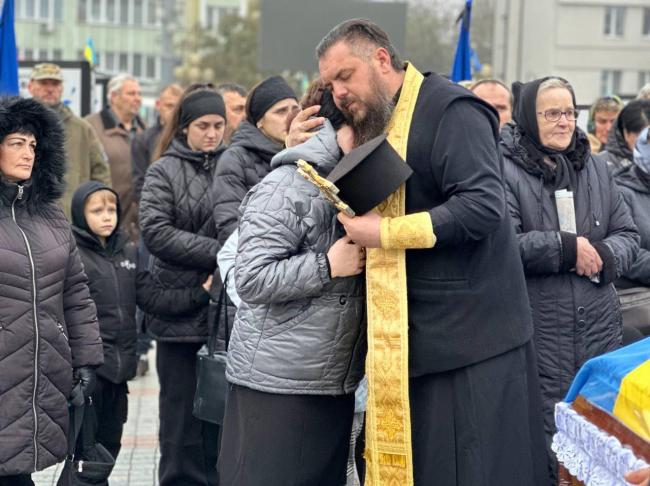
[
  {"x": 89, "y": 52},
  {"x": 8, "y": 52},
  {"x": 462, "y": 67}
]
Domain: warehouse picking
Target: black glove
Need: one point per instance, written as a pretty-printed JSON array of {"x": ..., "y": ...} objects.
[{"x": 85, "y": 377}]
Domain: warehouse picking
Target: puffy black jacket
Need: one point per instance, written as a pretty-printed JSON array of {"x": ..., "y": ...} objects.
[
  {"x": 142, "y": 149},
  {"x": 179, "y": 231},
  {"x": 574, "y": 318},
  {"x": 111, "y": 272},
  {"x": 634, "y": 286},
  {"x": 245, "y": 163},
  {"x": 48, "y": 323}
]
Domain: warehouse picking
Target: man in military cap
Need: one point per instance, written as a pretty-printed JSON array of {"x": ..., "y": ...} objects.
[{"x": 84, "y": 153}]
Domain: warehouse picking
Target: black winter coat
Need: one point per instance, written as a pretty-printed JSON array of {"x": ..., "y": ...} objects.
[
  {"x": 634, "y": 286},
  {"x": 142, "y": 149},
  {"x": 111, "y": 272},
  {"x": 48, "y": 323},
  {"x": 574, "y": 318},
  {"x": 635, "y": 187},
  {"x": 178, "y": 229},
  {"x": 245, "y": 163}
]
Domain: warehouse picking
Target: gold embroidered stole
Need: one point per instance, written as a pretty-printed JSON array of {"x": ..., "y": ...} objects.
[{"x": 388, "y": 418}]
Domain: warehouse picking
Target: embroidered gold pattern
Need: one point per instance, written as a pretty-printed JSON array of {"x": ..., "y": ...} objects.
[{"x": 388, "y": 420}]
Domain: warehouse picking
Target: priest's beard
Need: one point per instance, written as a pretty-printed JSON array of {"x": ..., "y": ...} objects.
[{"x": 374, "y": 119}]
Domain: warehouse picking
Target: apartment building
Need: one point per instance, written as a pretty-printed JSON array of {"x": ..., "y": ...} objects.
[{"x": 601, "y": 46}]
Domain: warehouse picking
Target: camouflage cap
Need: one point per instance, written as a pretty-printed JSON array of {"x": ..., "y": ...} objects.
[{"x": 46, "y": 70}]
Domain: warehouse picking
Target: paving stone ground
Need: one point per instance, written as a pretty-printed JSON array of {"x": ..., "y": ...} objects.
[{"x": 137, "y": 463}]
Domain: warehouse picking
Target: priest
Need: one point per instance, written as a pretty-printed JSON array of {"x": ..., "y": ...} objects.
[{"x": 453, "y": 397}]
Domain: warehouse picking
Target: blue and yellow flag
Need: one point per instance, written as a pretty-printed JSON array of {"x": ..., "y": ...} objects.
[
  {"x": 619, "y": 383},
  {"x": 90, "y": 54}
]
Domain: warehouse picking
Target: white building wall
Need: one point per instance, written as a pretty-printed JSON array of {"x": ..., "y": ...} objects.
[{"x": 534, "y": 38}]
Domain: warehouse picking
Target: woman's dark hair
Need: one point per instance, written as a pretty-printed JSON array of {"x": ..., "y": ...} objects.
[
  {"x": 173, "y": 129},
  {"x": 318, "y": 94},
  {"x": 635, "y": 116}
]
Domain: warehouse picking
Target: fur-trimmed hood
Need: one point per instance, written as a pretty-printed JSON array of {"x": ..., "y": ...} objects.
[{"x": 46, "y": 185}]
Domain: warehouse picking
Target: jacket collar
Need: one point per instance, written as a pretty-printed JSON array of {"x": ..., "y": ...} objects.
[{"x": 110, "y": 120}]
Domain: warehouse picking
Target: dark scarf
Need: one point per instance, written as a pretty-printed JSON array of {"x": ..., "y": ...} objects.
[{"x": 526, "y": 133}]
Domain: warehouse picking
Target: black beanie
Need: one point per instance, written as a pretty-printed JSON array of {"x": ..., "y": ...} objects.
[
  {"x": 265, "y": 95},
  {"x": 329, "y": 110},
  {"x": 199, "y": 104}
]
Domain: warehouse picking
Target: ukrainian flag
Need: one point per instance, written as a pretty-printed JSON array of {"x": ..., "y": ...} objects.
[
  {"x": 89, "y": 52},
  {"x": 619, "y": 383}
]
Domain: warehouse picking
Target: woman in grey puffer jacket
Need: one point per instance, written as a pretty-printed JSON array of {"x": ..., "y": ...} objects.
[{"x": 298, "y": 342}]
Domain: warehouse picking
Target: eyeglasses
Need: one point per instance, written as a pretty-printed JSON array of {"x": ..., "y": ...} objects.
[{"x": 555, "y": 115}]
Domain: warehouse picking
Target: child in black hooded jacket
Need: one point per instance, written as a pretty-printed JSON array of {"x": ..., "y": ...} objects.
[{"x": 109, "y": 260}]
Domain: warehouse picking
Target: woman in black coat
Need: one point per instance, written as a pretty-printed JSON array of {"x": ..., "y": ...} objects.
[
  {"x": 570, "y": 257},
  {"x": 49, "y": 336},
  {"x": 270, "y": 107},
  {"x": 179, "y": 231},
  {"x": 634, "y": 287}
]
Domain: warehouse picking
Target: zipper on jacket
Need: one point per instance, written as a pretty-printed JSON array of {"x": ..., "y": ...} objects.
[
  {"x": 119, "y": 313},
  {"x": 19, "y": 197},
  {"x": 60, "y": 326}
]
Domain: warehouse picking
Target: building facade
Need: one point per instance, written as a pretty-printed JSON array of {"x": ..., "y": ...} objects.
[
  {"x": 601, "y": 46},
  {"x": 134, "y": 36}
]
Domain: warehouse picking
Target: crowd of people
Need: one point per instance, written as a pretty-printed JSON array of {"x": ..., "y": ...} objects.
[{"x": 424, "y": 342}]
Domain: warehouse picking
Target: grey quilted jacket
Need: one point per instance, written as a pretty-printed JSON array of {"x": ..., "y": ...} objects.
[
  {"x": 297, "y": 331},
  {"x": 178, "y": 229},
  {"x": 48, "y": 321}
]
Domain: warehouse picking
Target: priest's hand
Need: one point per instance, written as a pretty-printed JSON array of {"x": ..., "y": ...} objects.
[
  {"x": 363, "y": 230},
  {"x": 302, "y": 125}
]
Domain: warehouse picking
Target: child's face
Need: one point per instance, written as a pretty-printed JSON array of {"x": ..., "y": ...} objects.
[{"x": 101, "y": 213}]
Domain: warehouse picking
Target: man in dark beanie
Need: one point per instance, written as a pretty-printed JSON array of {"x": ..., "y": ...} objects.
[{"x": 270, "y": 106}]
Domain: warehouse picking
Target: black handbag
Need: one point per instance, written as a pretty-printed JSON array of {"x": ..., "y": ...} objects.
[
  {"x": 211, "y": 383},
  {"x": 88, "y": 462}
]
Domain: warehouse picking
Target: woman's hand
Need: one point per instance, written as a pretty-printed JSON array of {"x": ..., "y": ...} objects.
[
  {"x": 588, "y": 261},
  {"x": 346, "y": 258},
  {"x": 639, "y": 478},
  {"x": 207, "y": 284}
]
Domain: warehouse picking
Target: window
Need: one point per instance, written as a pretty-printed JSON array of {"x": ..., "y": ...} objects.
[
  {"x": 644, "y": 78},
  {"x": 111, "y": 14},
  {"x": 58, "y": 10},
  {"x": 614, "y": 21},
  {"x": 82, "y": 12},
  {"x": 124, "y": 12},
  {"x": 215, "y": 14},
  {"x": 646, "y": 21},
  {"x": 124, "y": 62},
  {"x": 57, "y": 54},
  {"x": 44, "y": 12},
  {"x": 109, "y": 61},
  {"x": 30, "y": 9},
  {"x": 137, "y": 12},
  {"x": 29, "y": 54},
  {"x": 151, "y": 68},
  {"x": 137, "y": 65},
  {"x": 95, "y": 11},
  {"x": 152, "y": 16},
  {"x": 610, "y": 82}
]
